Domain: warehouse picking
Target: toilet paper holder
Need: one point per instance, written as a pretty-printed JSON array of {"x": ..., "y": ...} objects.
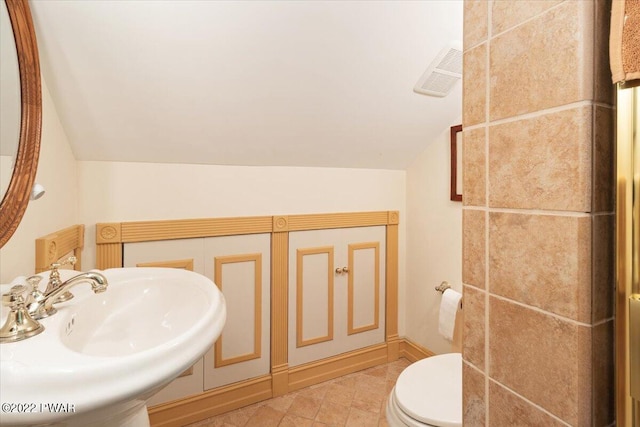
[{"x": 443, "y": 287}]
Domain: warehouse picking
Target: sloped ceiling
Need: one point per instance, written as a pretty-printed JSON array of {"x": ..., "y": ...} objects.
[{"x": 296, "y": 83}]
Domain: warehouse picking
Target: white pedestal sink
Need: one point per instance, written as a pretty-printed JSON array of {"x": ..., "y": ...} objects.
[{"x": 103, "y": 355}]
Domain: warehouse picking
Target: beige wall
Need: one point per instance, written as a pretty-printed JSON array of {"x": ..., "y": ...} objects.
[
  {"x": 537, "y": 222},
  {"x": 57, "y": 209},
  {"x": 434, "y": 242},
  {"x": 113, "y": 191}
]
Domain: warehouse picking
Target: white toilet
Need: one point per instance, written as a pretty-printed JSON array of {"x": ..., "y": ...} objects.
[{"x": 429, "y": 391}]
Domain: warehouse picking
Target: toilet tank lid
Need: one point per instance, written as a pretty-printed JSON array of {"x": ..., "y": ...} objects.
[{"x": 430, "y": 390}]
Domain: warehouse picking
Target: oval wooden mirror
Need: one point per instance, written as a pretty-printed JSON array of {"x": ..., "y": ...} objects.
[{"x": 14, "y": 203}]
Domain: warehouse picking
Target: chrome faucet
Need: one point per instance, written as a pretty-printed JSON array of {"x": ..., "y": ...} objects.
[
  {"x": 19, "y": 324},
  {"x": 54, "y": 278},
  {"x": 42, "y": 306},
  {"x": 27, "y": 304}
]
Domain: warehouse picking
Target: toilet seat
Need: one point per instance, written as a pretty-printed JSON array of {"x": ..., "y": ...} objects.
[{"x": 428, "y": 393}]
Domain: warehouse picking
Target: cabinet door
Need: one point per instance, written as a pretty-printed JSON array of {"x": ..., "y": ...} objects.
[
  {"x": 240, "y": 267},
  {"x": 336, "y": 291},
  {"x": 181, "y": 253}
]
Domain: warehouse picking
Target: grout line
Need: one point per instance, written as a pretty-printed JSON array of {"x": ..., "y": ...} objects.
[
  {"x": 542, "y": 212},
  {"x": 490, "y": 36},
  {"x": 486, "y": 216},
  {"x": 531, "y": 403},
  {"x": 541, "y": 311},
  {"x": 534, "y": 114},
  {"x": 603, "y": 321}
]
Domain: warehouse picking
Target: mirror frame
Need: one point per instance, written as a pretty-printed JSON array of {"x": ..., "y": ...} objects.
[{"x": 16, "y": 199}]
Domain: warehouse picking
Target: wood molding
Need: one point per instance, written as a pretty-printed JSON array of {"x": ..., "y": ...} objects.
[
  {"x": 279, "y": 310},
  {"x": 108, "y": 232},
  {"x": 392, "y": 283},
  {"x": 350, "y": 292},
  {"x": 210, "y": 403},
  {"x": 280, "y": 380},
  {"x": 147, "y": 231},
  {"x": 394, "y": 217},
  {"x": 337, "y": 366},
  {"x": 185, "y": 264},
  {"x": 256, "y": 259},
  {"x": 300, "y": 254},
  {"x": 280, "y": 223},
  {"x": 412, "y": 351},
  {"x": 337, "y": 220},
  {"x": 53, "y": 246},
  {"x": 108, "y": 256}
]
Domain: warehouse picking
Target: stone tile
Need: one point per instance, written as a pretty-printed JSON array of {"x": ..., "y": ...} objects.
[
  {"x": 473, "y": 247},
  {"x": 333, "y": 413},
  {"x": 474, "y": 84},
  {"x": 266, "y": 417},
  {"x": 368, "y": 394},
  {"x": 474, "y": 166},
  {"x": 281, "y": 403},
  {"x": 295, "y": 421},
  {"x": 370, "y": 404},
  {"x": 306, "y": 407},
  {"x": 340, "y": 394},
  {"x": 604, "y": 89},
  {"x": 360, "y": 418},
  {"x": 507, "y": 14},
  {"x": 549, "y": 54},
  {"x": 603, "y": 267},
  {"x": 473, "y": 399},
  {"x": 317, "y": 391},
  {"x": 507, "y": 409},
  {"x": 603, "y": 374},
  {"x": 542, "y": 260},
  {"x": 475, "y": 22},
  {"x": 543, "y": 162},
  {"x": 541, "y": 357},
  {"x": 239, "y": 417},
  {"x": 376, "y": 371},
  {"x": 473, "y": 333},
  {"x": 604, "y": 161}
]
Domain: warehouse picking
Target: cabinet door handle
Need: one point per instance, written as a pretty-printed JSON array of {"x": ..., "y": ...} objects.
[
  {"x": 338, "y": 270},
  {"x": 345, "y": 270}
]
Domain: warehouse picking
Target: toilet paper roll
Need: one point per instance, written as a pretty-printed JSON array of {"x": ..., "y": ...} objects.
[{"x": 448, "y": 310}]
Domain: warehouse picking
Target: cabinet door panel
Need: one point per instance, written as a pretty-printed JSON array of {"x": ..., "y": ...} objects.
[
  {"x": 314, "y": 295},
  {"x": 364, "y": 287},
  {"x": 180, "y": 253},
  {"x": 356, "y": 309},
  {"x": 240, "y": 267}
]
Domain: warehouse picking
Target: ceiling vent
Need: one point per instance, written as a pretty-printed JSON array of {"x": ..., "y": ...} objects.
[{"x": 443, "y": 72}]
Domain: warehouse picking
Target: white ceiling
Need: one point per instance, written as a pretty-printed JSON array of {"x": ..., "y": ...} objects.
[{"x": 296, "y": 83}]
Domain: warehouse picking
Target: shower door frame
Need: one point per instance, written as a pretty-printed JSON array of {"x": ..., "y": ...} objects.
[{"x": 628, "y": 257}]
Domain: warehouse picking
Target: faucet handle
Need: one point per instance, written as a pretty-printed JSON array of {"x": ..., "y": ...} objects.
[
  {"x": 34, "y": 281},
  {"x": 69, "y": 261},
  {"x": 54, "y": 278},
  {"x": 14, "y": 298},
  {"x": 19, "y": 324}
]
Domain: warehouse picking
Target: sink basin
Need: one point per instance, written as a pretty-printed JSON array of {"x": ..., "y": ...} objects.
[{"x": 103, "y": 355}]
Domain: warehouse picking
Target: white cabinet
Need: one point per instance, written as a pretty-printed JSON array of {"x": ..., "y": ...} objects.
[
  {"x": 240, "y": 266},
  {"x": 336, "y": 292}
]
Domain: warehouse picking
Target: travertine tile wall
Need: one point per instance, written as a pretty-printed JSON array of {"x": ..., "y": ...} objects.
[{"x": 538, "y": 214}]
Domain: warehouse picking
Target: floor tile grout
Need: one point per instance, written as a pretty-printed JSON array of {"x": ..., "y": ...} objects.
[{"x": 353, "y": 400}]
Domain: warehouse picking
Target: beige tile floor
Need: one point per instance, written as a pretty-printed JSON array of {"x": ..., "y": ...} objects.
[{"x": 354, "y": 400}]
